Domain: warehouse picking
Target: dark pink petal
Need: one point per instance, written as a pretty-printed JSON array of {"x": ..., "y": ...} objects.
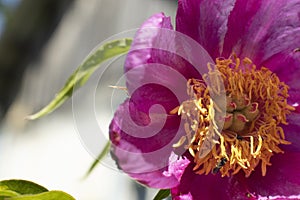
[
  {"x": 142, "y": 144},
  {"x": 261, "y": 29},
  {"x": 162, "y": 58},
  {"x": 148, "y": 69},
  {"x": 205, "y": 22},
  {"x": 148, "y": 95},
  {"x": 209, "y": 187},
  {"x": 153, "y": 55},
  {"x": 282, "y": 178},
  {"x": 144, "y": 38}
]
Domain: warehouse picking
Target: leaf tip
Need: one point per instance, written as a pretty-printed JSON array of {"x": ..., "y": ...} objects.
[{"x": 32, "y": 117}]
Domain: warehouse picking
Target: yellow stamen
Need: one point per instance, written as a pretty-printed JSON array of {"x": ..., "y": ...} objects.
[
  {"x": 180, "y": 142},
  {"x": 174, "y": 111},
  {"x": 260, "y": 106}
]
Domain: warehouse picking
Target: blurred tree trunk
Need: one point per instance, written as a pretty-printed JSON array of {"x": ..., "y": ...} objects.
[{"x": 27, "y": 31}]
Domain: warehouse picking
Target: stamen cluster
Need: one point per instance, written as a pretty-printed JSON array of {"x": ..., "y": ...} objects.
[{"x": 249, "y": 132}]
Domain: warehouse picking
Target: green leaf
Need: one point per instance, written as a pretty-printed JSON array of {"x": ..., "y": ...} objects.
[
  {"x": 162, "y": 194},
  {"x": 27, "y": 190},
  {"x": 21, "y": 187},
  {"x": 83, "y": 73},
  {"x": 51, "y": 195},
  {"x": 103, "y": 153}
]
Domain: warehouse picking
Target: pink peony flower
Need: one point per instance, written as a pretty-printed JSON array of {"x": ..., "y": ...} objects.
[{"x": 237, "y": 138}]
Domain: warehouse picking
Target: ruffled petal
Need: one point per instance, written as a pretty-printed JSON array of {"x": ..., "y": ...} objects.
[
  {"x": 142, "y": 144},
  {"x": 156, "y": 57},
  {"x": 162, "y": 58},
  {"x": 209, "y": 187},
  {"x": 282, "y": 178},
  {"x": 145, "y": 75},
  {"x": 254, "y": 29},
  {"x": 144, "y": 38},
  {"x": 177, "y": 165},
  {"x": 205, "y": 22},
  {"x": 261, "y": 29}
]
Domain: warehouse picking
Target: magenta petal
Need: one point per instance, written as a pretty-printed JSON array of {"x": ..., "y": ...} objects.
[
  {"x": 162, "y": 58},
  {"x": 148, "y": 95},
  {"x": 261, "y": 29},
  {"x": 142, "y": 144},
  {"x": 177, "y": 165},
  {"x": 209, "y": 187},
  {"x": 149, "y": 62},
  {"x": 160, "y": 55},
  {"x": 154, "y": 44},
  {"x": 205, "y": 22},
  {"x": 144, "y": 38},
  {"x": 282, "y": 178}
]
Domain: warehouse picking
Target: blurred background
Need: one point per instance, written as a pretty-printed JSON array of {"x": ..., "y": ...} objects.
[{"x": 41, "y": 44}]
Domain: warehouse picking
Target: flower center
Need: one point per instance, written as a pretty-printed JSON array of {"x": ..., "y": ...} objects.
[{"x": 247, "y": 130}]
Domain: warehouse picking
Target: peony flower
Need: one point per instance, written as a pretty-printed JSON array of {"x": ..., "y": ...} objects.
[{"x": 228, "y": 122}]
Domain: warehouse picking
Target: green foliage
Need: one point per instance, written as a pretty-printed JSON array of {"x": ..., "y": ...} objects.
[
  {"x": 162, "y": 194},
  {"x": 27, "y": 190},
  {"x": 83, "y": 73},
  {"x": 103, "y": 153}
]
